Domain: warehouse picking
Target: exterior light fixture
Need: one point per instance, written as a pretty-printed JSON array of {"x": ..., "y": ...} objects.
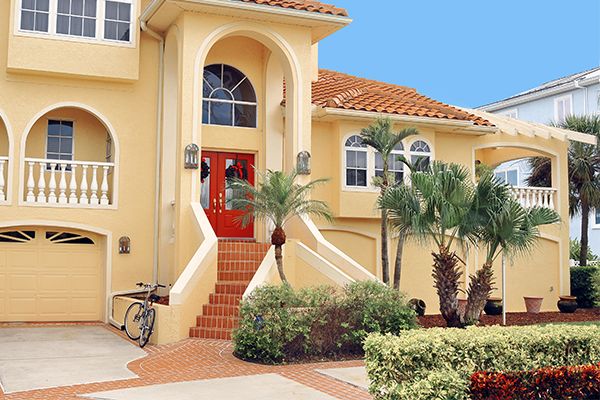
[
  {"x": 124, "y": 245},
  {"x": 191, "y": 156},
  {"x": 303, "y": 163}
]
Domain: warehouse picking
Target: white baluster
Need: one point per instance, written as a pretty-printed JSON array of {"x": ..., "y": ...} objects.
[
  {"x": 527, "y": 198},
  {"x": 30, "y": 184},
  {"x": 540, "y": 200},
  {"x": 62, "y": 185},
  {"x": 41, "y": 196},
  {"x": 73, "y": 186},
  {"x": 94, "y": 185},
  {"x": 52, "y": 184},
  {"x": 2, "y": 195},
  {"x": 551, "y": 200},
  {"x": 545, "y": 195},
  {"x": 83, "y": 197},
  {"x": 104, "y": 186}
]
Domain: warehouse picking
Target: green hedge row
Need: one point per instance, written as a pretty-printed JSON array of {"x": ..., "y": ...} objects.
[
  {"x": 437, "y": 363},
  {"x": 280, "y": 324},
  {"x": 585, "y": 284}
]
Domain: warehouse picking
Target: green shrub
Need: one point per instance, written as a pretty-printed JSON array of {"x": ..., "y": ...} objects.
[
  {"x": 575, "y": 250},
  {"x": 585, "y": 284},
  {"x": 433, "y": 363},
  {"x": 280, "y": 324}
]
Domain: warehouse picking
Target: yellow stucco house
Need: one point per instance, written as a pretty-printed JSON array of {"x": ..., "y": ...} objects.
[{"x": 120, "y": 121}]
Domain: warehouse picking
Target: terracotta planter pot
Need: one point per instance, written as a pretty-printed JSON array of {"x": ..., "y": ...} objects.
[
  {"x": 493, "y": 306},
  {"x": 533, "y": 304},
  {"x": 418, "y": 305},
  {"x": 567, "y": 304},
  {"x": 462, "y": 306}
]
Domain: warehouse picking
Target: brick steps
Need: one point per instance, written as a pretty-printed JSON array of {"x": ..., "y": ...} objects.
[{"x": 237, "y": 263}]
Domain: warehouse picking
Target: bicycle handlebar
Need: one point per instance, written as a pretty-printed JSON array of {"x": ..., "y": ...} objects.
[{"x": 150, "y": 285}]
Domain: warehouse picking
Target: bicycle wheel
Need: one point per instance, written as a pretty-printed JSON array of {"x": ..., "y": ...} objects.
[
  {"x": 146, "y": 327},
  {"x": 133, "y": 315}
]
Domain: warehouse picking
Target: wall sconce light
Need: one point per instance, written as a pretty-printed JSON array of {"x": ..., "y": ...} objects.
[
  {"x": 191, "y": 156},
  {"x": 124, "y": 245},
  {"x": 303, "y": 163}
]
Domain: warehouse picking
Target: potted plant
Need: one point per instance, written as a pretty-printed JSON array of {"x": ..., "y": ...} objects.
[
  {"x": 567, "y": 304},
  {"x": 493, "y": 306},
  {"x": 418, "y": 305},
  {"x": 533, "y": 304}
]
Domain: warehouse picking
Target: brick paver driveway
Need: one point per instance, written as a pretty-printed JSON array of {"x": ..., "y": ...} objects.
[{"x": 194, "y": 359}]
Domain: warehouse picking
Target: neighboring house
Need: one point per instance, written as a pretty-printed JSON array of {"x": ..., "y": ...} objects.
[
  {"x": 121, "y": 120},
  {"x": 551, "y": 102}
]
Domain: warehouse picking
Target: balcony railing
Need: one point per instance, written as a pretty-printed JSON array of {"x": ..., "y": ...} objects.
[
  {"x": 535, "y": 196},
  {"x": 71, "y": 183},
  {"x": 3, "y": 178}
]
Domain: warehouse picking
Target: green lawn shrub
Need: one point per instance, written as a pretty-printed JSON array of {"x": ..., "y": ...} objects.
[
  {"x": 438, "y": 363},
  {"x": 585, "y": 284},
  {"x": 280, "y": 324}
]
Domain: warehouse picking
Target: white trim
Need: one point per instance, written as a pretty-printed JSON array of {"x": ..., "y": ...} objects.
[
  {"x": 367, "y": 150},
  {"x": 568, "y": 97},
  {"x": 115, "y": 189},
  {"x": 74, "y": 225},
  {"x": 505, "y": 172},
  {"x": 8, "y": 188},
  {"x": 596, "y": 218}
]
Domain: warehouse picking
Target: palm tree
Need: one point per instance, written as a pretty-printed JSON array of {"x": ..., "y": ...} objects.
[
  {"x": 276, "y": 198},
  {"x": 381, "y": 138},
  {"x": 584, "y": 174},
  {"x": 437, "y": 206},
  {"x": 503, "y": 226}
]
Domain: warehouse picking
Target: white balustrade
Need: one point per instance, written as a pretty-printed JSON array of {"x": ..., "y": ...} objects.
[
  {"x": 535, "y": 196},
  {"x": 59, "y": 182},
  {"x": 3, "y": 178}
]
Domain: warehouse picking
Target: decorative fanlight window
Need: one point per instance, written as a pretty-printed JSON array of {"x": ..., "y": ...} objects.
[
  {"x": 228, "y": 97},
  {"x": 17, "y": 236},
  {"x": 356, "y": 162},
  {"x": 420, "y": 155},
  {"x": 68, "y": 238}
]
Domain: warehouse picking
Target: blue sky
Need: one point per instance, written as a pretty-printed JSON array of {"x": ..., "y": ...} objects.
[{"x": 465, "y": 52}]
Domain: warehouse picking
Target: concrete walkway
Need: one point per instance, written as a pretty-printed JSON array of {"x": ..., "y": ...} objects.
[
  {"x": 46, "y": 357},
  {"x": 356, "y": 376}
]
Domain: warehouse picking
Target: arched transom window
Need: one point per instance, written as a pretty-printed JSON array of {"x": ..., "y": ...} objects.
[
  {"x": 356, "y": 162},
  {"x": 420, "y": 155},
  {"x": 228, "y": 97}
]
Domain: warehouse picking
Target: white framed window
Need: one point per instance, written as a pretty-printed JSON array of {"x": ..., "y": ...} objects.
[
  {"x": 563, "y": 107},
  {"x": 395, "y": 166},
  {"x": 35, "y": 15},
  {"x": 509, "y": 176},
  {"x": 103, "y": 21},
  {"x": 596, "y": 219},
  {"x": 511, "y": 113},
  {"x": 356, "y": 162},
  {"x": 420, "y": 155},
  {"x": 228, "y": 97},
  {"x": 59, "y": 140}
]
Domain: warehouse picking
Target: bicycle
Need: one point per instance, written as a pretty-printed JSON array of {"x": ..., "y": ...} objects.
[{"x": 139, "y": 317}]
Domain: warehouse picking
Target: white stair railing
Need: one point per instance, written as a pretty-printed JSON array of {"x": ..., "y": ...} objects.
[
  {"x": 59, "y": 182},
  {"x": 535, "y": 196}
]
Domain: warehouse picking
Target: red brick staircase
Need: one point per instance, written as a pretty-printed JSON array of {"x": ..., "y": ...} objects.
[{"x": 237, "y": 263}]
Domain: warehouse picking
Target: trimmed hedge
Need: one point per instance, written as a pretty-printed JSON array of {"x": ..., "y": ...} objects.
[
  {"x": 438, "y": 363},
  {"x": 585, "y": 284},
  {"x": 280, "y": 324},
  {"x": 564, "y": 383}
]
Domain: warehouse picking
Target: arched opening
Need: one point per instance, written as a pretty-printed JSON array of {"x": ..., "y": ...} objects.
[
  {"x": 5, "y": 149},
  {"x": 70, "y": 157}
]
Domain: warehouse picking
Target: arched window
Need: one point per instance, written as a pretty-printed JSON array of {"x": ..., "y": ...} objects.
[
  {"x": 356, "y": 162},
  {"x": 395, "y": 166},
  {"x": 420, "y": 155},
  {"x": 228, "y": 97}
]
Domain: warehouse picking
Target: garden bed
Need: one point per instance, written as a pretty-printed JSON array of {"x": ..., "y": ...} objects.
[{"x": 522, "y": 318}]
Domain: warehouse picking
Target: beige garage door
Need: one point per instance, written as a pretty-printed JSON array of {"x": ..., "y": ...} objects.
[{"x": 50, "y": 274}]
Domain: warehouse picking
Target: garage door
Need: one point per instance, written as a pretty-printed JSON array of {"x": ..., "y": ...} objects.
[{"x": 50, "y": 274}]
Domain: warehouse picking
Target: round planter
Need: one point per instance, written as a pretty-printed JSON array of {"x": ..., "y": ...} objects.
[
  {"x": 462, "y": 306},
  {"x": 493, "y": 306},
  {"x": 418, "y": 305},
  {"x": 533, "y": 304},
  {"x": 567, "y": 304}
]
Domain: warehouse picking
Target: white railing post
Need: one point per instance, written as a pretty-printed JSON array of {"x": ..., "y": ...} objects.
[
  {"x": 62, "y": 185},
  {"x": 52, "y": 184},
  {"x": 41, "y": 197},
  {"x": 551, "y": 199},
  {"x": 83, "y": 197},
  {"x": 104, "y": 186},
  {"x": 534, "y": 196},
  {"x": 30, "y": 183},
  {"x": 94, "y": 185},
  {"x": 73, "y": 186}
]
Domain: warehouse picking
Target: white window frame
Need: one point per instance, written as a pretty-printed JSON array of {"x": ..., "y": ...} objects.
[
  {"x": 411, "y": 153},
  {"x": 505, "y": 171},
  {"x": 72, "y": 139},
  {"x": 407, "y": 144},
  {"x": 100, "y": 17},
  {"x": 510, "y": 113},
  {"x": 562, "y": 99},
  {"x": 596, "y": 218},
  {"x": 20, "y": 9},
  {"x": 394, "y": 153}
]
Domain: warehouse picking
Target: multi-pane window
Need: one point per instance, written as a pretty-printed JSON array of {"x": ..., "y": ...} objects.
[
  {"x": 228, "y": 97},
  {"x": 59, "y": 145},
  {"x": 356, "y": 162},
  {"x": 597, "y": 219},
  {"x": 35, "y": 15},
  {"x": 395, "y": 165},
  {"x": 76, "y": 18},
  {"x": 420, "y": 155},
  {"x": 117, "y": 21},
  {"x": 508, "y": 176}
]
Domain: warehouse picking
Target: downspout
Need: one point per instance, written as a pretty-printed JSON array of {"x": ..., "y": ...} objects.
[
  {"x": 161, "y": 43},
  {"x": 585, "y": 96}
]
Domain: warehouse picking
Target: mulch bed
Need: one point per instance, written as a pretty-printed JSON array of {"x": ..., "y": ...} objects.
[{"x": 522, "y": 318}]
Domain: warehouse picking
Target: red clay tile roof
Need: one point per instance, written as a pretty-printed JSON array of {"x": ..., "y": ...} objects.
[
  {"x": 303, "y": 5},
  {"x": 337, "y": 90}
]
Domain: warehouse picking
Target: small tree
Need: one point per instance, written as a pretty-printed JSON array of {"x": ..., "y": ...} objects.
[
  {"x": 381, "y": 138},
  {"x": 276, "y": 198}
]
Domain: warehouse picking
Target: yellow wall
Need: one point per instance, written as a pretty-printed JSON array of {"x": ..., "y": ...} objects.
[{"x": 3, "y": 139}]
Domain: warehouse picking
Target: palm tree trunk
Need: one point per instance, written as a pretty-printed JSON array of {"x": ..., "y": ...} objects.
[
  {"x": 480, "y": 289},
  {"x": 398, "y": 263},
  {"x": 446, "y": 275},
  {"x": 585, "y": 222},
  {"x": 279, "y": 261},
  {"x": 385, "y": 264}
]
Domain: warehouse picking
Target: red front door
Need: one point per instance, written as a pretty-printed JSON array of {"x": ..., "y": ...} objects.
[{"x": 216, "y": 169}]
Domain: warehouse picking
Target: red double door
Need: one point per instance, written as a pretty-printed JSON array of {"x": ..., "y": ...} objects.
[{"x": 217, "y": 169}]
